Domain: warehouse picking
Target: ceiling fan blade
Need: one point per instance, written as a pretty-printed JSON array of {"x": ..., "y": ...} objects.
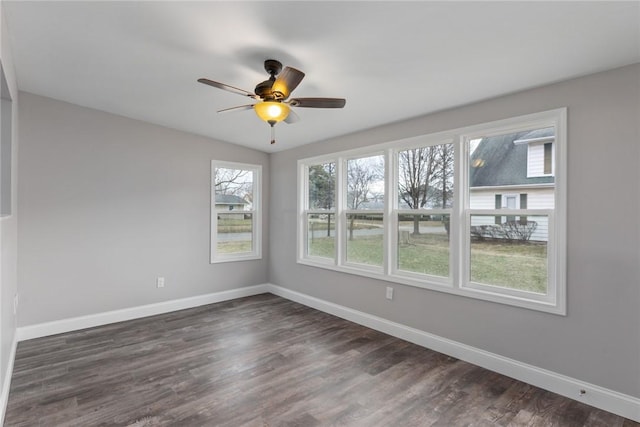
[
  {"x": 238, "y": 108},
  {"x": 287, "y": 81},
  {"x": 292, "y": 118},
  {"x": 318, "y": 102},
  {"x": 228, "y": 88}
]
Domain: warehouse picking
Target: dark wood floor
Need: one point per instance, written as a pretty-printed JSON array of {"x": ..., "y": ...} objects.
[{"x": 266, "y": 361}]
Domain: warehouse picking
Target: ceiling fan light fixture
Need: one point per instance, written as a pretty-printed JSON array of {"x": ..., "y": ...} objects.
[{"x": 272, "y": 111}]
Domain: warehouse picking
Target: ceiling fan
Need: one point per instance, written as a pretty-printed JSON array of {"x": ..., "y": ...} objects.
[{"x": 273, "y": 104}]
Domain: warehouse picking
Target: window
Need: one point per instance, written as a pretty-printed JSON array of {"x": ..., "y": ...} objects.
[
  {"x": 235, "y": 212},
  {"x": 321, "y": 215},
  {"x": 508, "y": 253},
  {"x": 465, "y": 211},
  {"x": 422, "y": 211},
  {"x": 364, "y": 188}
]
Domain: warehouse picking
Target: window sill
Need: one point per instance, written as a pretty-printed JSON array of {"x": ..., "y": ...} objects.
[{"x": 251, "y": 257}]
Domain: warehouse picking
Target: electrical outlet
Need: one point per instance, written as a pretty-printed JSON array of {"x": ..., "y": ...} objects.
[
  {"x": 15, "y": 304},
  {"x": 389, "y": 292},
  {"x": 160, "y": 282}
]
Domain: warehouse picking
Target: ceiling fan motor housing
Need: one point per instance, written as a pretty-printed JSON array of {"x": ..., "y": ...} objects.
[{"x": 263, "y": 89}]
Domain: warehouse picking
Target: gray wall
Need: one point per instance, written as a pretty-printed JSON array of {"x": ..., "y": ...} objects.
[
  {"x": 599, "y": 340},
  {"x": 109, "y": 203},
  {"x": 8, "y": 224}
]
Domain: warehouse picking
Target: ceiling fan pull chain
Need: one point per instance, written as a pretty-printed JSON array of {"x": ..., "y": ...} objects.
[{"x": 273, "y": 132}]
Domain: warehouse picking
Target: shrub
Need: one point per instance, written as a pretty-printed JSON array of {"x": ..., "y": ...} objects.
[
  {"x": 510, "y": 230},
  {"x": 519, "y": 230}
]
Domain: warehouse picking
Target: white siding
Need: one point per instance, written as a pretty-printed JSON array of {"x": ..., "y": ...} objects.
[
  {"x": 482, "y": 199},
  {"x": 535, "y": 160},
  {"x": 537, "y": 198},
  {"x": 540, "y": 198}
]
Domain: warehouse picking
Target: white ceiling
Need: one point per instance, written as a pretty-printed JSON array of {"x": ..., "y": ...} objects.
[{"x": 390, "y": 60}]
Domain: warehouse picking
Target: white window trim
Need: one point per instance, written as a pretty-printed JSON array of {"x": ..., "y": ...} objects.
[
  {"x": 256, "y": 214},
  {"x": 555, "y": 299},
  {"x": 552, "y": 302}
]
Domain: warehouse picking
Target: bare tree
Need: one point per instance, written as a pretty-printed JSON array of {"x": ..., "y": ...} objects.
[
  {"x": 361, "y": 174},
  {"x": 444, "y": 174},
  {"x": 425, "y": 175},
  {"x": 416, "y": 169},
  {"x": 444, "y": 177},
  {"x": 235, "y": 182}
]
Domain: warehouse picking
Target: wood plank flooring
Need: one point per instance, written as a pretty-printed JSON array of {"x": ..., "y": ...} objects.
[{"x": 264, "y": 361}]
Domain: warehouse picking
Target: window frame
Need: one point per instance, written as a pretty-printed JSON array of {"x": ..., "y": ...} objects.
[
  {"x": 342, "y": 240},
  {"x": 404, "y": 276},
  {"x": 554, "y": 301},
  {"x": 256, "y": 214},
  {"x": 303, "y": 229}
]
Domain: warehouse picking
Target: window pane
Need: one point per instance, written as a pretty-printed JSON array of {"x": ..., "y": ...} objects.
[
  {"x": 322, "y": 183},
  {"x": 425, "y": 177},
  {"x": 548, "y": 156},
  {"x": 365, "y": 239},
  {"x": 234, "y": 233},
  {"x": 321, "y": 241},
  {"x": 423, "y": 244},
  {"x": 235, "y": 211},
  {"x": 515, "y": 159},
  {"x": 365, "y": 183},
  {"x": 512, "y": 254},
  {"x": 234, "y": 189}
]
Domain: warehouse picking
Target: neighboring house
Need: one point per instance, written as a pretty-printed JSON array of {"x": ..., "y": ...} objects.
[
  {"x": 513, "y": 171},
  {"x": 228, "y": 202}
]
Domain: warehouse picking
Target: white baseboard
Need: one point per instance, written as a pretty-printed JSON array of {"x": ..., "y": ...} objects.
[
  {"x": 6, "y": 384},
  {"x": 599, "y": 397},
  {"x": 99, "y": 319}
]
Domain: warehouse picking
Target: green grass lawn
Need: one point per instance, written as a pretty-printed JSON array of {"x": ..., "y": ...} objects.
[
  {"x": 515, "y": 265},
  {"x": 234, "y": 247},
  {"x": 365, "y": 250},
  {"x": 518, "y": 265},
  {"x": 425, "y": 253},
  {"x": 234, "y": 224}
]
